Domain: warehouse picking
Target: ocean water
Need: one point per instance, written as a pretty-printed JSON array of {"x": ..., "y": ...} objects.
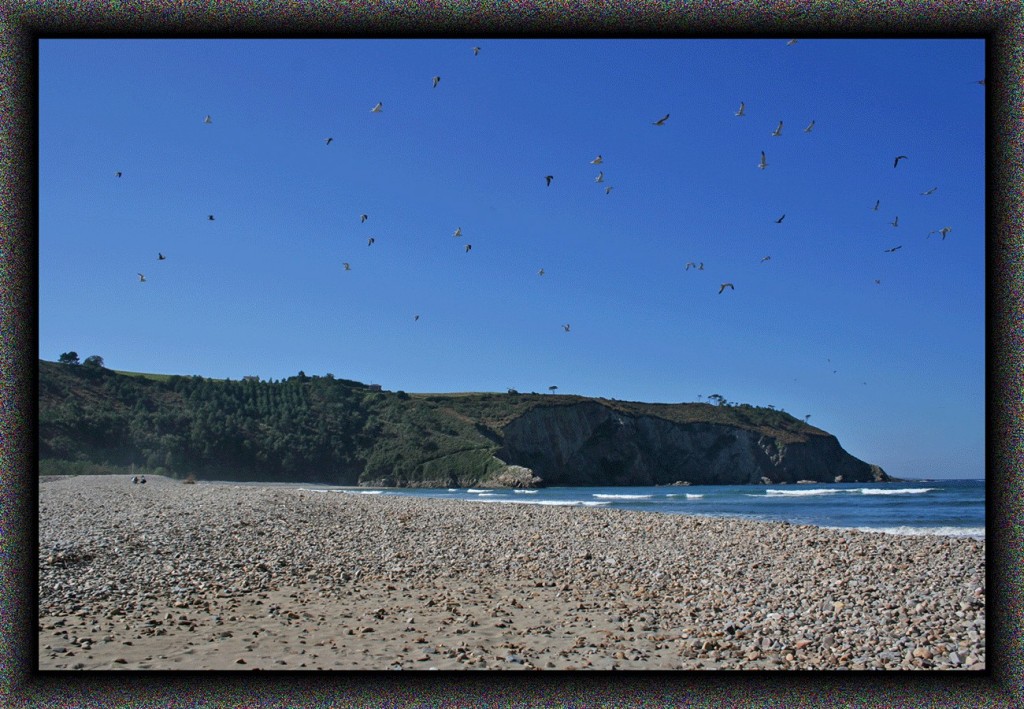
[{"x": 953, "y": 508}]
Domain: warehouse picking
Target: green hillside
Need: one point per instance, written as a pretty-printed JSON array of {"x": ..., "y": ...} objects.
[{"x": 305, "y": 428}]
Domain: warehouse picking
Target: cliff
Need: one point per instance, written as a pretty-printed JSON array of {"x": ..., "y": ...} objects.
[{"x": 336, "y": 431}]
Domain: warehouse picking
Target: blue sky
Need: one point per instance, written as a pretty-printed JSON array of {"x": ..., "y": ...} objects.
[{"x": 894, "y": 369}]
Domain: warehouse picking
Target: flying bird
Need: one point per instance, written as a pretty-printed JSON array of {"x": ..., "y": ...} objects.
[
  {"x": 328, "y": 141},
  {"x": 742, "y": 111},
  {"x": 117, "y": 174},
  {"x": 540, "y": 272},
  {"x": 566, "y": 327},
  {"x": 458, "y": 232},
  {"x": 701, "y": 266},
  {"x": 766, "y": 258},
  {"x": 548, "y": 179},
  {"x": 809, "y": 128},
  {"x": 894, "y": 248},
  {"x": 160, "y": 256},
  {"x": 468, "y": 247},
  {"x": 928, "y": 192},
  {"x": 415, "y": 318},
  {"x": 791, "y": 42},
  {"x": 207, "y": 120},
  {"x": 608, "y": 189},
  {"x": 779, "y": 220},
  {"x": 210, "y": 218},
  {"x": 661, "y": 121},
  {"x": 877, "y": 202},
  {"x": 347, "y": 266},
  {"x": 437, "y": 80},
  {"x": 377, "y": 108},
  {"x": 724, "y": 286},
  {"x": 476, "y": 50},
  {"x": 597, "y": 161},
  {"x": 944, "y": 230},
  {"x": 898, "y": 158},
  {"x": 764, "y": 162},
  {"x": 778, "y": 131},
  {"x": 363, "y": 218},
  {"x": 369, "y": 242},
  {"x": 878, "y": 282},
  {"x": 982, "y": 82},
  {"x": 688, "y": 264},
  {"x": 600, "y": 177},
  {"x": 896, "y": 221},
  {"x": 142, "y": 278}
]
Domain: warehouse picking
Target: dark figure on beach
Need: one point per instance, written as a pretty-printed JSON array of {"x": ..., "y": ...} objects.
[
  {"x": 135, "y": 479},
  {"x": 142, "y": 480}
]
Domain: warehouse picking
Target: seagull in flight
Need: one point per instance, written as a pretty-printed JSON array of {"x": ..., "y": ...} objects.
[
  {"x": 210, "y": 218},
  {"x": 791, "y": 42},
  {"x": 377, "y": 108},
  {"x": 660, "y": 121},
  {"x": 142, "y": 278},
  {"x": 160, "y": 256},
  {"x": 328, "y": 141},
  {"x": 894, "y": 248},
  {"x": 363, "y": 218},
  {"x": 458, "y": 232},
  {"x": 877, "y": 202},
  {"x": 437, "y": 80},
  {"x": 688, "y": 264},
  {"x": 415, "y": 318},
  {"x": 476, "y": 50},
  {"x": 608, "y": 189},
  {"x": 540, "y": 272},
  {"x": 944, "y": 230},
  {"x": 369, "y": 242},
  {"x": 347, "y": 265},
  {"x": 778, "y": 131},
  {"x": 982, "y": 82},
  {"x": 566, "y": 327},
  {"x": 809, "y": 128},
  {"x": 878, "y": 282},
  {"x": 600, "y": 177},
  {"x": 928, "y": 192},
  {"x": 468, "y": 247},
  {"x": 742, "y": 111},
  {"x": 207, "y": 120},
  {"x": 117, "y": 174},
  {"x": 700, "y": 267},
  {"x": 549, "y": 178},
  {"x": 779, "y": 220},
  {"x": 724, "y": 286},
  {"x": 898, "y": 158},
  {"x": 597, "y": 161},
  {"x": 766, "y": 258},
  {"x": 896, "y": 221},
  {"x": 764, "y": 161}
]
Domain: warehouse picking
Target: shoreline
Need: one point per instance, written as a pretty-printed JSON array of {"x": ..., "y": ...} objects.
[{"x": 227, "y": 576}]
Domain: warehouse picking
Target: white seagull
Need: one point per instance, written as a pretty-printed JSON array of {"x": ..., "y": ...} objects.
[
  {"x": 458, "y": 232},
  {"x": 437, "y": 80},
  {"x": 377, "y": 108},
  {"x": 600, "y": 177},
  {"x": 778, "y": 131},
  {"x": 566, "y": 327},
  {"x": 142, "y": 278},
  {"x": 791, "y": 42},
  {"x": 742, "y": 111},
  {"x": 369, "y": 242},
  {"x": 347, "y": 266},
  {"x": 724, "y": 286},
  {"x": 540, "y": 272},
  {"x": 207, "y": 120},
  {"x": 764, "y": 162},
  {"x": 597, "y": 161},
  {"x": 608, "y": 189},
  {"x": 896, "y": 221},
  {"x": 468, "y": 247},
  {"x": 928, "y": 192},
  {"x": 476, "y": 50},
  {"x": 766, "y": 258},
  {"x": 363, "y": 218},
  {"x": 328, "y": 140},
  {"x": 944, "y": 230},
  {"x": 809, "y": 128}
]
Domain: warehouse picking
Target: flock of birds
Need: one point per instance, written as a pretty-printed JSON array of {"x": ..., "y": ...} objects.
[{"x": 600, "y": 179}]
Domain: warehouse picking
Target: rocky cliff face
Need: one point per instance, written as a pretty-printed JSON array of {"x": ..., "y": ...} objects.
[{"x": 590, "y": 444}]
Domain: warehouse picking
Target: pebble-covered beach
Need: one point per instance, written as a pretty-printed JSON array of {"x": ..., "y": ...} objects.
[{"x": 169, "y": 575}]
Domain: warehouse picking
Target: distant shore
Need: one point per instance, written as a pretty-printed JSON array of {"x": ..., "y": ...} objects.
[{"x": 238, "y": 576}]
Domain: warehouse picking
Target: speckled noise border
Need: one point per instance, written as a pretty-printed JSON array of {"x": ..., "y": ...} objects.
[{"x": 1000, "y": 21}]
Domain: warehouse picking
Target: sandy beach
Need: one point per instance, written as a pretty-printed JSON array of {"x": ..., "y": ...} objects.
[{"x": 220, "y": 576}]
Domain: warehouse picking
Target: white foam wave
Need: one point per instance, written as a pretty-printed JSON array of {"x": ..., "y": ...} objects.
[
  {"x": 525, "y": 492},
  {"x": 363, "y": 492},
  {"x": 901, "y": 491},
  {"x": 692, "y": 496},
  {"x": 798, "y": 493},
  {"x": 622, "y": 497},
  {"x": 549, "y": 503},
  {"x": 472, "y": 490},
  {"x": 974, "y": 532},
  {"x": 453, "y": 489}
]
